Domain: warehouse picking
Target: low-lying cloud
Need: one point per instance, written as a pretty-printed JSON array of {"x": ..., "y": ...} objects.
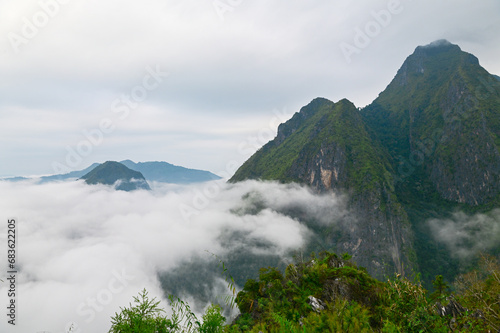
[
  {"x": 467, "y": 235},
  {"x": 83, "y": 251}
]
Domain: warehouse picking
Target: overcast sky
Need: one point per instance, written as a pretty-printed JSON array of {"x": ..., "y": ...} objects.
[{"x": 86, "y": 81}]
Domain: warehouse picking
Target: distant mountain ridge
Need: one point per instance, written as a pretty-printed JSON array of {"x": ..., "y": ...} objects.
[
  {"x": 153, "y": 171},
  {"x": 427, "y": 146},
  {"x": 168, "y": 173},
  {"x": 117, "y": 174},
  {"x": 70, "y": 175}
]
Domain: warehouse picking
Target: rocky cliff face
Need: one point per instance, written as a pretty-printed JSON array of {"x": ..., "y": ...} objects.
[
  {"x": 466, "y": 164},
  {"x": 326, "y": 146}
]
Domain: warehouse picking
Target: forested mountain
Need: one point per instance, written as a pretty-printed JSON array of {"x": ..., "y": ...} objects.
[{"x": 427, "y": 147}]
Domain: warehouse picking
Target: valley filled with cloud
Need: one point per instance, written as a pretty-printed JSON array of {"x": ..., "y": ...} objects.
[{"x": 83, "y": 251}]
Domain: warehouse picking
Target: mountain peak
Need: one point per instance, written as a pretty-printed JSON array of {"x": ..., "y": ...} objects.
[
  {"x": 436, "y": 62},
  {"x": 440, "y": 89},
  {"x": 111, "y": 173},
  {"x": 314, "y": 105},
  {"x": 438, "y": 43},
  {"x": 443, "y": 50},
  {"x": 438, "y": 49}
]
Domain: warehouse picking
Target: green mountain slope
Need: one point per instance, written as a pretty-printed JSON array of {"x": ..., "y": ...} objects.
[
  {"x": 440, "y": 120},
  {"x": 440, "y": 116},
  {"x": 322, "y": 132},
  {"x": 111, "y": 173}
]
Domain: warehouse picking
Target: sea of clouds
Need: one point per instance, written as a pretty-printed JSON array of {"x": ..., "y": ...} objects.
[{"x": 82, "y": 251}]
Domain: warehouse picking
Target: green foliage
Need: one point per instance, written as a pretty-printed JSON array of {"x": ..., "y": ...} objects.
[
  {"x": 278, "y": 302},
  {"x": 390, "y": 327},
  {"x": 183, "y": 319},
  {"x": 145, "y": 316},
  {"x": 440, "y": 288},
  {"x": 480, "y": 290},
  {"x": 228, "y": 299},
  {"x": 213, "y": 320},
  {"x": 354, "y": 302},
  {"x": 351, "y": 301},
  {"x": 341, "y": 316},
  {"x": 408, "y": 310}
]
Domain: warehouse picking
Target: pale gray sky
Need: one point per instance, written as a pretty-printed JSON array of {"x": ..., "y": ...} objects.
[{"x": 85, "y": 81}]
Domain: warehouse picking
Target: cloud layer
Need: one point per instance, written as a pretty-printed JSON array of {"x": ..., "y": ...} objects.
[
  {"x": 83, "y": 251},
  {"x": 466, "y": 235}
]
